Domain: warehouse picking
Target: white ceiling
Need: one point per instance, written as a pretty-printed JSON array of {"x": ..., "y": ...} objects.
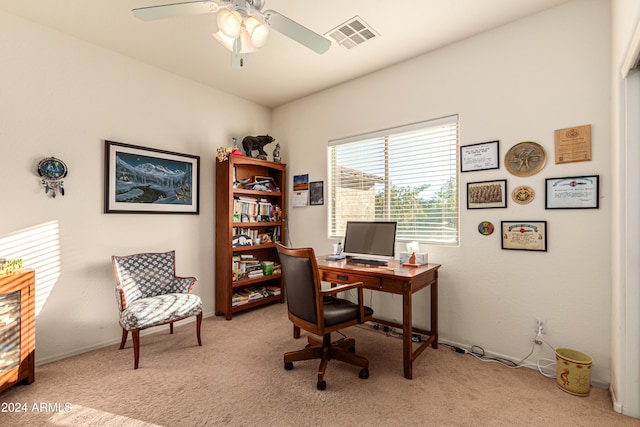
[{"x": 282, "y": 70}]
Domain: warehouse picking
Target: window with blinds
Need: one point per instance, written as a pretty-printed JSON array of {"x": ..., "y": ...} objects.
[{"x": 406, "y": 174}]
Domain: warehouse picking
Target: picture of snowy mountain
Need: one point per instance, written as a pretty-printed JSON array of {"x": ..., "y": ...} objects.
[{"x": 145, "y": 179}]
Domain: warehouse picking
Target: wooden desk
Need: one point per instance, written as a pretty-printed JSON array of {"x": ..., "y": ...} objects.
[{"x": 393, "y": 279}]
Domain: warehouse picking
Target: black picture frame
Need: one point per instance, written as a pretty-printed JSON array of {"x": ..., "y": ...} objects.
[
  {"x": 316, "y": 193},
  {"x": 572, "y": 192},
  {"x": 487, "y": 194},
  {"x": 481, "y": 156},
  {"x": 145, "y": 180}
]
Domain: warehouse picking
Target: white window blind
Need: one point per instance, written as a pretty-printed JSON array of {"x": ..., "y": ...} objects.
[{"x": 406, "y": 174}]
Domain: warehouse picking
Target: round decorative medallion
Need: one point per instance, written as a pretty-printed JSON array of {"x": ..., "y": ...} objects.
[
  {"x": 485, "y": 228},
  {"x": 525, "y": 159},
  {"x": 523, "y": 194}
]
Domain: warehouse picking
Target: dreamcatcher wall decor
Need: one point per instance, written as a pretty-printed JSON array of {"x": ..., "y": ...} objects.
[{"x": 52, "y": 171}]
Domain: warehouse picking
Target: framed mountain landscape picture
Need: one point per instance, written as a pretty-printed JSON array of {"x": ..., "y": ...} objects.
[{"x": 147, "y": 180}]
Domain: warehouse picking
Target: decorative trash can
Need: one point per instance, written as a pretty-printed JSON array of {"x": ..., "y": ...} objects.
[{"x": 573, "y": 371}]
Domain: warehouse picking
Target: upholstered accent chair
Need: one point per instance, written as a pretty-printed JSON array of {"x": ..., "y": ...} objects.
[
  {"x": 150, "y": 294},
  {"x": 319, "y": 312}
]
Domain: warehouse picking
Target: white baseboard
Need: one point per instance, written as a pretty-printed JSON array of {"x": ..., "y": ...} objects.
[
  {"x": 107, "y": 343},
  {"x": 595, "y": 382}
]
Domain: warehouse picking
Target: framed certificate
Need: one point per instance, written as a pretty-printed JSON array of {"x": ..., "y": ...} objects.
[
  {"x": 481, "y": 156},
  {"x": 524, "y": 235},
  {"x": 575, "y": 192}
]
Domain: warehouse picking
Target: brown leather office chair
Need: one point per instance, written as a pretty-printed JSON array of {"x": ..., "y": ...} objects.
[{"x": 320, "y": 312}]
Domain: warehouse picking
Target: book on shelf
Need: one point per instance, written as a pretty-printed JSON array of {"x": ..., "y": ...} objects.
[
  {"x": 244, "y": 236},
  {"x": 243, "y": 265},
  {"x": 253, "y": 274},
  {"x": 273, "y": 290},
  {"x": 254, "y": 293},
  {"x": 239, "y": 299},
  {"x": 276, "y": 234},
  {"x": 252, "y": 209}
]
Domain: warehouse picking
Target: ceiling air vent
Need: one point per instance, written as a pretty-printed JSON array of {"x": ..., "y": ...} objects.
[{"x": 352, "y": 33}]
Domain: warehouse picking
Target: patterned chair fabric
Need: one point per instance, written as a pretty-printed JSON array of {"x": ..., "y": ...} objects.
[{"x": 149, "y": 293}]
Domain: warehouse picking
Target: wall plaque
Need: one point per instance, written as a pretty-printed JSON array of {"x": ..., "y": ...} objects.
[{"x": 573, "y": 144}]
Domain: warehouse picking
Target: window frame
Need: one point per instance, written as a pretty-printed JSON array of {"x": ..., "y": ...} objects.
[{"x": 449, "y": 162}]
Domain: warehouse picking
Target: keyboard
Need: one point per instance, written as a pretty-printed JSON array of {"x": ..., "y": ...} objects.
[{"x": 368, "y": 261}]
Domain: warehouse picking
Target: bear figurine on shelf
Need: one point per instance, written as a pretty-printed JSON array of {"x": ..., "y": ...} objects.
[{"x": 256, "y": 143}]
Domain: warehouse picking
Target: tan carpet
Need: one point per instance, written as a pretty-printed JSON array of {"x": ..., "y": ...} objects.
[{"x": 237, "y": 379}]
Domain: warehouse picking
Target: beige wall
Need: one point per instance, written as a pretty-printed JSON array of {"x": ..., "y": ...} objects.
[
  {"x": 63, "y": 97},
  {"x": 517, "y": 83}
]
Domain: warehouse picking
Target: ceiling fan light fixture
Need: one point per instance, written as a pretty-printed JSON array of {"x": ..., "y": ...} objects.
[
  {"x": 258, "y": 31},
  {"x": 243, "y": 26},
  {"x": 229, "y": 22},
  {"x": 246, "y": 44},
  {"x": 224, "y": 40}
]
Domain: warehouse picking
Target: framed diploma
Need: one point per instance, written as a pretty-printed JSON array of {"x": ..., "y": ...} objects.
[
  {"x": 524, "y": 235},
  {"x": 477, "y": 157},
  {"x": 576, "y": 192}
]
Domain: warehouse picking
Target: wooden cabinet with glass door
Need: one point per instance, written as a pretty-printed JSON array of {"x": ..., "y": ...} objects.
[
  {"x": 250, "y": 218},
  {"x": 17, "y": 328}
]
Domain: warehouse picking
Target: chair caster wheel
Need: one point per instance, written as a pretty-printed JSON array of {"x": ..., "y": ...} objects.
[
  {"x": 364, "y": 373},
  {"x": 321, "y": 385},
  {"x": 288, "y": 366}
]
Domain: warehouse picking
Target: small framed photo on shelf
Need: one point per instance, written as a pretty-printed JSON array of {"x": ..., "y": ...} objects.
[
  {"x": 575, "y": 192},
  {"x": 316, "y": 193},
  {"x": 524, "y": 235},
  {"x": 482, "y": 156},
  {"x": 487, "y": 194}
]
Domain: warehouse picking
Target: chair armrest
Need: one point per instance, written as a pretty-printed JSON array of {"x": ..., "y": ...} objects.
[
  {"x": 183, "y": 285},
  {"x": 341, "y": 288},
  {"x": 121, "y": 298}
]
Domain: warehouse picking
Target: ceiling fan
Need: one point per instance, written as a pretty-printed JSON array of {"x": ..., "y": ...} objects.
[{"x": 242, "y": 24}]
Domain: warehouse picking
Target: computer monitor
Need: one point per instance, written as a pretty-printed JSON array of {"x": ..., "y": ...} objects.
[{"x": 370, "y": 242}]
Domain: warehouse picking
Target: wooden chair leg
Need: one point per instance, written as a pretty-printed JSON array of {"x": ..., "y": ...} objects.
[
  {"x": 171, "y": 328},
  {"x": 296, "y": 331},
  {"x": 125, "y": 333},
  {"x": 198, "y": 325},
  {"x": 135, "y": 334}
]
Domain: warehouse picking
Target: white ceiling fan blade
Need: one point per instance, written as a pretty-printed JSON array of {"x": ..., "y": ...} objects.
[
  {"x": 176, "y": 9},
  {"x": 296, "y": 32}
]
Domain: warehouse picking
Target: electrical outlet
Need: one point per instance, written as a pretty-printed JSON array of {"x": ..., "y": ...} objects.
[{"x": 541, "y": 325}]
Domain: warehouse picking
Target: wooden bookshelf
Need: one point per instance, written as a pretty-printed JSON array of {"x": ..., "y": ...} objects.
[{"x": 235, "y": 210}]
